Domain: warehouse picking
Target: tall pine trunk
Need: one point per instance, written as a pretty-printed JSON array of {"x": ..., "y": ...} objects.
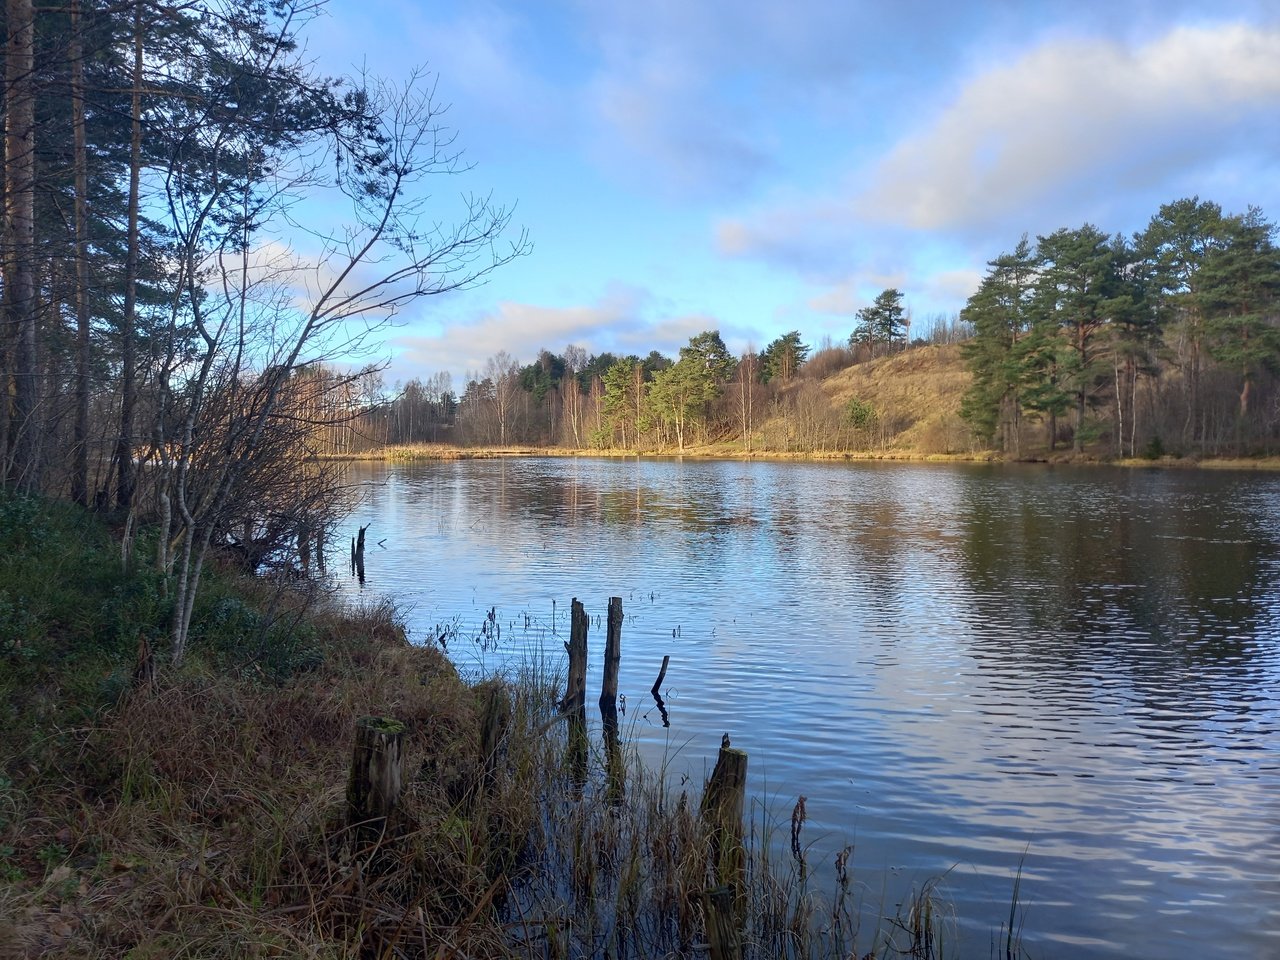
[
  {"x": 19, "y": 234},
  {"x": 125, "y": 480},
  {"x": 80, "y": 457}
]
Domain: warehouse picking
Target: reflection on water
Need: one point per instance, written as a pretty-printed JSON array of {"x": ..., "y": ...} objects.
[{"x": 963, "y": 668}]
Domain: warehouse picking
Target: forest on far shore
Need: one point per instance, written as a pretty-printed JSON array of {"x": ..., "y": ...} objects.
[{"x": 1160, "y": 343}]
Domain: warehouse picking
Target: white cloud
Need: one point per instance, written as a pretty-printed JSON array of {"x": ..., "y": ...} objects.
[
  {"x": 695, "y": 97},
  {"x": 1072, "y": 130},
  {"x": 624, "y": 320},
  {"x": 1073, "y": 117},
  {"x": 840, "y": 300},
  {"x": 521, "y": 329},
  {"x": 846, "y": 297},
  {"x": 953, "y": 286},
  {"x": 815, "y": 237}
]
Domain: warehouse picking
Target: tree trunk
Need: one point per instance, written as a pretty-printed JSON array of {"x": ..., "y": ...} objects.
[
  {"x": 80, "y": 462},
  {"x": 1133, "y": 410},
  {"x": 125, "y": 481},
  {"x": 1119, "y": 411},
  {"x": 19, "y": 229}
]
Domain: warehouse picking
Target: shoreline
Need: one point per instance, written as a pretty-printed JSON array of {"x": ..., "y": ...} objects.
[{"x": 448, "y": 452}]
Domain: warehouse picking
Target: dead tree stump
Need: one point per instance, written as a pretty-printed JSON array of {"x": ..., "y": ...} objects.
[
  {"x": 575, "y": 695},
  {"x": 722, "y": 805},
  {"x": 574, "y": 704},
  {"x": 377, "y": 776},
  {"x": 612, "y": 659},
  {"x": 493, "y": 729},
  {"x": 722, "y": 925}
]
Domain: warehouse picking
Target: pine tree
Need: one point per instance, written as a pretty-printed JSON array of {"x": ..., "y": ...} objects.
[
  {"x": 884, "y": 322},
  {"x": 1077, "y": 283},
  {"x": 782, "y": 358},
  {"x": 1000, "y": 312},
  {"x": 1240, "y": 290}
]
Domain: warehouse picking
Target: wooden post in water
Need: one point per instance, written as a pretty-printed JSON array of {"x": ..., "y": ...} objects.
[
  {"x": 612, "y": 658},
  {"x": 377, "y": 776},
  {"x": 575, "y": 695},
  {"x": 574, "y": 703},
  {"x": 614, "y": 769},
  {"x": 722, "y": 926},
  {"x": 722, "y": 804}
]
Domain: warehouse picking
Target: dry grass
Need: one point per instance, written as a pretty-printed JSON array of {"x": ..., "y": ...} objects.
[
  {"x": 206, "y": 818},
  {"x": 433, "y": 451},
  {"x": 918, "y": 391}
]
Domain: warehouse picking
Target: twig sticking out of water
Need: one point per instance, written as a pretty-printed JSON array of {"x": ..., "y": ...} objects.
[{"x": 662, "y": 675}]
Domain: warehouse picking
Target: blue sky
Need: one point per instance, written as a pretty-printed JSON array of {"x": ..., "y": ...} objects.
[{"x": 758, "y": 166}]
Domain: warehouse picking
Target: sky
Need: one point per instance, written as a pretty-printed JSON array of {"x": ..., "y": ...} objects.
[{"x": 757, "y": 166}]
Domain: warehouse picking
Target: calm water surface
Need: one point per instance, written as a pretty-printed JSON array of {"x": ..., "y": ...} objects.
[{"x": 961, "y": 667}]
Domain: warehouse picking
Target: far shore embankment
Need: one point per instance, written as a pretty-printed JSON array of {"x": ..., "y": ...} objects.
[{"x": 408, "y": 453}]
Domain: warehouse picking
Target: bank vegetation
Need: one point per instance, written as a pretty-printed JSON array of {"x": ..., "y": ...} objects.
[
  {"x": 203, "y": 811},
  {"x": 1082, "y": 344}
]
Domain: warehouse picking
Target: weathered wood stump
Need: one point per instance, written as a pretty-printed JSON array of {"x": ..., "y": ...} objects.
[
  {"x": 615, "y": 769},
  {"x": 612, "y": 659},
  {"x": 357, "y": 555},
  {"x": 377, "y": 777},
  {"x": 722, "y": 804},
  {"x": 493, "y": 729},
  {"x": 574, "y": 704},
  {"x": 722, "y": 924},
  {"x": 575, "y": 695}
]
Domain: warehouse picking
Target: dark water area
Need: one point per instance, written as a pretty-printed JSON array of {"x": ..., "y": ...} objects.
[{"x": 964, "y": 668}]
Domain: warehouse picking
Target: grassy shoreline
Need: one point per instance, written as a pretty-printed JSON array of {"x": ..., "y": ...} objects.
[
  {"x": 204, "y": 815},
  {"x": 409, "y": 453}
]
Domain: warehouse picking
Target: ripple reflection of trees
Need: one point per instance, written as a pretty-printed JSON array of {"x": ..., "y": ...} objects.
[{"x": 1144, "y": 573}]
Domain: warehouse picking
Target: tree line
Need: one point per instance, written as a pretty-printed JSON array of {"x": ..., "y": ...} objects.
[
  {"x": 199, "y": 232},
  {"x": 704, "y": 395},
  {"x": 1164, "y": 341}
]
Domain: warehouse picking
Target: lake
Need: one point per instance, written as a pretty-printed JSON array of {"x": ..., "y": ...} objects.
[{"x": 964, "y": 668}]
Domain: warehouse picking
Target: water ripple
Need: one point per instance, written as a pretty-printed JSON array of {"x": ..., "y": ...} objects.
[{"x": 968, "y": 670}]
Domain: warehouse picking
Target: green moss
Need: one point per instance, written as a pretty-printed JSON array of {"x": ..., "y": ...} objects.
[{"x": 383, "y": 724}]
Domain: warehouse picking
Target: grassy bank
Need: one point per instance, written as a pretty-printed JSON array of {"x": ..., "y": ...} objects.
[
  {"x": 204, "y": 815},
  {"x": 901, "y": 407},
  {"x": 734, "y": 451}
]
